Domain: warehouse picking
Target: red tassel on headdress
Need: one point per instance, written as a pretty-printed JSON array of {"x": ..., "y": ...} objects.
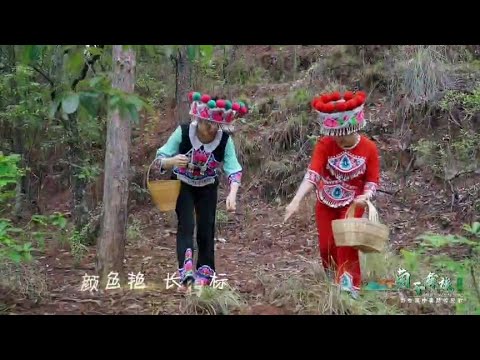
[
  {"x": 329, "y": 108},
  {"x": 320, "y": 106},
  {"x": 348, "y": 95},
  {"x": 362, "y": 94},
  {"x": 351, "y": 104},
  {"x": 341, "y": 107},
  {"x": 335, "y": 96}
]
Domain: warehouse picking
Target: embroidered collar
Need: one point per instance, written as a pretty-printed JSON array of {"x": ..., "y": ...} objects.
[{"x": 197, "y": 144}]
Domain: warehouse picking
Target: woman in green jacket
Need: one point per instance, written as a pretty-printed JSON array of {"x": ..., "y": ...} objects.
[{"x": 194, "y": 153}]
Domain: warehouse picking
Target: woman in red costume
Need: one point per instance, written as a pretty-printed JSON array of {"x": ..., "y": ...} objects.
[{"x": 344, "y": 169}]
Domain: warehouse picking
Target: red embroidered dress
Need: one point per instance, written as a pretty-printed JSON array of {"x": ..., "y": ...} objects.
[
  {"x": 342, "y": 174},
  {"x": 339, "y": 176}
]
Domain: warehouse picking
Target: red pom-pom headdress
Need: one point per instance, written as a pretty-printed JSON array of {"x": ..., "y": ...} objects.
[
  {"x": 339, "y": 114},
  {"x": 222, "y": 112}
]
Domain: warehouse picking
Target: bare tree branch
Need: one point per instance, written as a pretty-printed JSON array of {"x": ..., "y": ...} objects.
[
  {"x": 45, "y": 76},
  {"x": 86, "y": 66}
]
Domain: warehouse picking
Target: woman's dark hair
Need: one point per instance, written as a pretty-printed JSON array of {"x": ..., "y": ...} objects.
[{"x": 215, "y": 98}]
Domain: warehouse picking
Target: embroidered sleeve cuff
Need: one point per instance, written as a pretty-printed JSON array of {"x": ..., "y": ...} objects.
[
  {"x": 313, "y": 177},
  {"x": 370, "y": 189},
  {"x": 235, "y": 178}
]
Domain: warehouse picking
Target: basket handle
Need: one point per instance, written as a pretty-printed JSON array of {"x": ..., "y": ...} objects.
[
  {"x": 147, "y": 179},
  {"x": 372, "y": 212}
]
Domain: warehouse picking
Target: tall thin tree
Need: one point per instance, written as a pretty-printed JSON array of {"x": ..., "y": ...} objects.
[
  {"x": 183, "y": 83},
  {"x": 111, "y": 246}
]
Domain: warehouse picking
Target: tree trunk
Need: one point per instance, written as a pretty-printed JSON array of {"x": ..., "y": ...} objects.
[
  {"x": 183, "y": 84},
  {"x": 75, "y": 156},
  {"x": 111, "y": 246}
]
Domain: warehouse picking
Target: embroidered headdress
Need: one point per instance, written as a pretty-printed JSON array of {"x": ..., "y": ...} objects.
[
  {"x": 222, "y": 112},
  {"x": 340, "y": 115}
]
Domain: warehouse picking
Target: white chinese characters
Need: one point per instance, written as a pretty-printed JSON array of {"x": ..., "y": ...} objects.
[
  {"x": 91, "y": 282},
  {"x": 173, "y": 280}
]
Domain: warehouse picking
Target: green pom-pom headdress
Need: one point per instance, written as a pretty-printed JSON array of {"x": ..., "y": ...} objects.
[{"x": 220, "y": 111}]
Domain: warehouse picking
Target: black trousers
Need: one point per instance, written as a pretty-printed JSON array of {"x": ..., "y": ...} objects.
[{"x": 202, "y": 201}]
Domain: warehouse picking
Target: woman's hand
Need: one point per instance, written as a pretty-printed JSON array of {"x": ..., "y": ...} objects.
[
  {"x": 361, "y": 200},
  {"x": 231, "y": 202},
  {"x": 305, "y": 187},
  {"x": 292, "y": 208},
  {"x": 179, "y": 160}
]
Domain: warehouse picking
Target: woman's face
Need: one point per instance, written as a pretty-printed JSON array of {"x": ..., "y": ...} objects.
[
  {"x": 207, "y": 128},
  {"x": 346, "y": 141}
]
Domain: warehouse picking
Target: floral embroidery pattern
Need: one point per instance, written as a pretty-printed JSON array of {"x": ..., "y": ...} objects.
[
  {"x": 217, "y": 116},
  {"x": 204, "y": 275},
  {"x": 235, "y": 178},
  {"x": 346, "y": 284},
  {"x": 201, "y": 169},
  {"x": 330, "y": 122},
  {"x": 313, "y": 177},
  {"x": 186, "y": 273},
  {"x": 361, "y": 116},
  {"x": 370, "y": 189},
  {"x": 346, "y": 166},
  {"x": 336, "y": 193}
]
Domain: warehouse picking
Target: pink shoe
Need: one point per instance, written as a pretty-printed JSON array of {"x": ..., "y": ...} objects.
[
  {"x": 203, "y": 276},
  {"x": 186, "y": 273}
]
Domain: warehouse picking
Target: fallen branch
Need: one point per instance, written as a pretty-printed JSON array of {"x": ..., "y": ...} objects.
[
  {"x": 410, "y": 164},
  {"x": 98, "y": 302},
  {"x": 452, "y": 119},
  {"x": 454, "y": 194},
  {"x": 461, "y": 173},
  {"x": 474, "y": 280},
  {"x": 388, "y": 192}
]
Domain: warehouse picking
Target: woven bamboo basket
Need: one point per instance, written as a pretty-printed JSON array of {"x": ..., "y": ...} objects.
[
  {"x": 164, "y": 193},
  {"x": 366, "y": 235}
]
